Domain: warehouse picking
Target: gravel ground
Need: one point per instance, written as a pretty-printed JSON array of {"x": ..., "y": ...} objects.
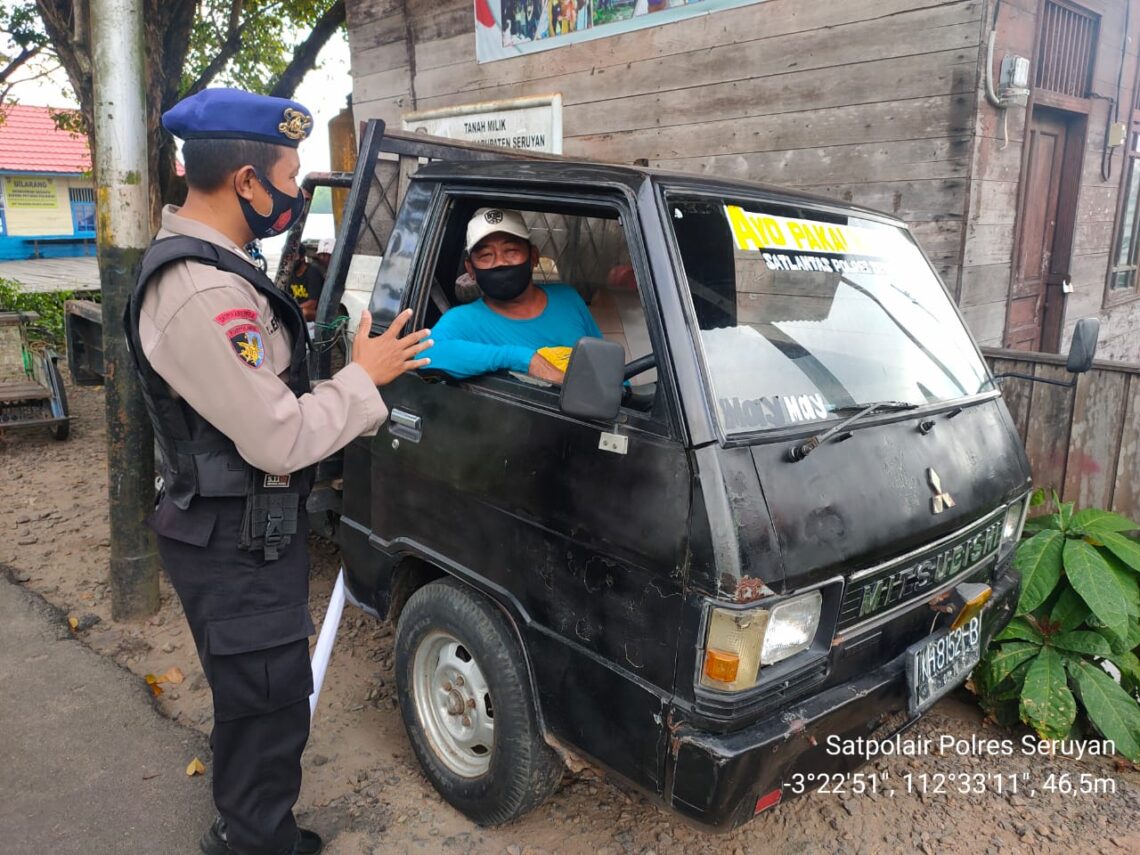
[{"x": 364, "y": 791}]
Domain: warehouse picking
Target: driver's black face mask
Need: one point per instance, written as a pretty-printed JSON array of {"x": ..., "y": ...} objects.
[{"x": 504, "y": 282}]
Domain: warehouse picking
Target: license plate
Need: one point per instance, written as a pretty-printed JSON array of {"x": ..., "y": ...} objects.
[{"x": 940, "y": 662}]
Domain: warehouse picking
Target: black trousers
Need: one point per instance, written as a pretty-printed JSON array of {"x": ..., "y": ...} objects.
[{"x": 250, "y": 621}]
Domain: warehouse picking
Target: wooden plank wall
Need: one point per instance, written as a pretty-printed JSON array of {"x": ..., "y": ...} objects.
[
  {"x": 872, "y": 101},
  {"x": 995, "y": 188},
  {"x": 1083, "y": 442}
]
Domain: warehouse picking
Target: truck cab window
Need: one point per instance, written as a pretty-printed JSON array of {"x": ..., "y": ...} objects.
[{"x": 583, "y": 264}]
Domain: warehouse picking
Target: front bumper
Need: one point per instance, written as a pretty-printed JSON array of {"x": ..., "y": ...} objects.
[{"x": 715, "y": 779}]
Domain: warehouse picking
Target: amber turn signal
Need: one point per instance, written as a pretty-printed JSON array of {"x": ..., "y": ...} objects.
[{"x": 721, "y": 666}]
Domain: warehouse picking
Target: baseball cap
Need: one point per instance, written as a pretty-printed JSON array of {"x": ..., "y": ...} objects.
[
  {"x": 326, "y": 245},
  {"x": 488, "y": 221}
]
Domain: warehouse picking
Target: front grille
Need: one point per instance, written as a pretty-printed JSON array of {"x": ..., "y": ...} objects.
[{"x": 878, "y": 590}]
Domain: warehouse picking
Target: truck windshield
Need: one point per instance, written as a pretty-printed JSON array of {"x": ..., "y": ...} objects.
[{"x": 804, "y": 313}]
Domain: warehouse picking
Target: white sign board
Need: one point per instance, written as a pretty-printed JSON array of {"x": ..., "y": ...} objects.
[{"x": 531, "y": 124}]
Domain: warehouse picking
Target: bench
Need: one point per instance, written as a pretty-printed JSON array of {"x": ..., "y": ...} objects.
[{"x": 86, "y": 240}]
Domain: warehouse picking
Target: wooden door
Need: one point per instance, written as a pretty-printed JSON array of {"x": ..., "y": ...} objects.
[{"x": 1042, "y": 223}]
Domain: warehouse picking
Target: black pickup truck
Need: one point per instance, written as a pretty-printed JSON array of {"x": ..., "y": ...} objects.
[{"x": 772, "y": 514}]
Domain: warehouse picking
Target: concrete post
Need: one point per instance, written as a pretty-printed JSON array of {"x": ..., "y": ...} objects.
[{"x": 123, "y": 224}]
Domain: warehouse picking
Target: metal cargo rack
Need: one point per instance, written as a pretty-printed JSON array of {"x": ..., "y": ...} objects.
[{"x": 31, "y": 388}]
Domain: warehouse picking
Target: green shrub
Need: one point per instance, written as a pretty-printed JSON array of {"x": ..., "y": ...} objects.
[
  {"x": 1079, "y": 609},
  {"x": 49, "y": 306}
]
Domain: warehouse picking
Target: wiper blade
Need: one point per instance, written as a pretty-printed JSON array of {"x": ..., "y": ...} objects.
[{"x": 799, "y": 452}]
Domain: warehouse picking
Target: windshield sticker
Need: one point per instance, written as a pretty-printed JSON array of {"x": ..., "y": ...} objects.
[
  {"x": 776, "y": 411},
  {"x": 759, "y": 232},
  {"x": 822, "y": 264}
]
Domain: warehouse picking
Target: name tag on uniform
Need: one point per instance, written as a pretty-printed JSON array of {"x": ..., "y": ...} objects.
[{"x": 277, "y": 480}]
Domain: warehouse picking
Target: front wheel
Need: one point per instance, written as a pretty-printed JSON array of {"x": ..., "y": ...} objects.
[{"x": 468, "y": 707}]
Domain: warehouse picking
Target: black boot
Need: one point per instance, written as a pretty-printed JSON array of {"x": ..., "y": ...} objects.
[{"x": 214, "y": 841}]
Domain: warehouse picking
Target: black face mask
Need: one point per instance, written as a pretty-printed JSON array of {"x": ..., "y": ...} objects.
[
  {"x": 504, "y": 283},
  {"x": 284, "y": 213}
]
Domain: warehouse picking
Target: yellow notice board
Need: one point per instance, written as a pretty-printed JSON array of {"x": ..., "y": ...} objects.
[
  {"x": 37, "y": 205},
  {"x": 30, "y": 192},
  {"x": 767, "y": 232}
]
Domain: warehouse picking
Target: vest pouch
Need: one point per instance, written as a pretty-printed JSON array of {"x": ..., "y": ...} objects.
[
  {"x": 221, "y": 474},
  {"x": 273, "y": 506}
]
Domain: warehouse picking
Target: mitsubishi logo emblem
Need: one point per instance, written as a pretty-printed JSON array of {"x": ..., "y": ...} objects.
[{"x": 942, "y": 500}]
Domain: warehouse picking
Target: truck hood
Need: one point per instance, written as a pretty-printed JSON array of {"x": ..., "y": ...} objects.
[{"x": 855, "y": 503}]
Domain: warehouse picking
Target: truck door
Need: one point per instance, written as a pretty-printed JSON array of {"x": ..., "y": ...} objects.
[{"x": 578, "y": 529}]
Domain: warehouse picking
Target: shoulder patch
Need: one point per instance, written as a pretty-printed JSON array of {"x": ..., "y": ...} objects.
[
  {"x": 231, "y": 315},
  {"x": 247, "y": 344}
]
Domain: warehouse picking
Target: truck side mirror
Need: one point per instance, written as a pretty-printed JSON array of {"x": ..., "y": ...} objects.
[
  {"x": 593, "y": 385},
  {"x": 1083, "y": 348}
]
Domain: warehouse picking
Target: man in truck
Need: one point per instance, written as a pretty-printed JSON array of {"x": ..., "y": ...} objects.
[
  {"x": 516, "y": 325},
  {"x": 221, "y": 355}
]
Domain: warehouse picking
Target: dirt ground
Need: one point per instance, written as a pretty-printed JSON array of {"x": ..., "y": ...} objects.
[{"x": 363, "y": 789}]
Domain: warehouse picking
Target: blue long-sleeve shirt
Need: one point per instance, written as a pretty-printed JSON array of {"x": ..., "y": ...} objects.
[{"x": 473, "y": 339}]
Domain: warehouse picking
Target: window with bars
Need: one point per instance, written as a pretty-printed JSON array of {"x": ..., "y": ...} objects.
[
  {"x": 82, "y": 209},
  {"x": 1066, "y": 49},
  {"x": 1123, "y": 281}
]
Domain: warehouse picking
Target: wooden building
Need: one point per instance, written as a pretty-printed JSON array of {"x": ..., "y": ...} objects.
[{"x": 1026, "y": 201}]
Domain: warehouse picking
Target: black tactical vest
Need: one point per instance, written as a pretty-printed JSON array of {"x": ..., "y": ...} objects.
[{"x": 196, "y": 458}]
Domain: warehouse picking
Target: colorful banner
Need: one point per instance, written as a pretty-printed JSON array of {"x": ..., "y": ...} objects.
[{"x": 506, "y": 28}]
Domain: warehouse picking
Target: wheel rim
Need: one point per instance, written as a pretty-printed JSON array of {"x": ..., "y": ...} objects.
[{"x": 453, "y": 703}]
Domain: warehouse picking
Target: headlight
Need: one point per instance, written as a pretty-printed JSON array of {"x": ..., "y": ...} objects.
[
  {"x": 791, "y": 628},
  {"x": 1013, "y": 524},
  {"x": 739, "y": 641}
]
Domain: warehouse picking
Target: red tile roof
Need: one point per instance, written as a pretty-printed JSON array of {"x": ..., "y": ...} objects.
[{"x": 30, "y": 142}]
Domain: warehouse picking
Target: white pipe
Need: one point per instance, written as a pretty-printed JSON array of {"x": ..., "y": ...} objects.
[
  {"x": 991, "y": 96},
  {"x": 323, "y": 651}
]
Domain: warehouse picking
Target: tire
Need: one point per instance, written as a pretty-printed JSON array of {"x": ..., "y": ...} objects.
[{"x": 455, "y": 651}]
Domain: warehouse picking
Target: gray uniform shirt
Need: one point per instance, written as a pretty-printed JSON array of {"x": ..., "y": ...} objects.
[{"x": 217, "y": 343}]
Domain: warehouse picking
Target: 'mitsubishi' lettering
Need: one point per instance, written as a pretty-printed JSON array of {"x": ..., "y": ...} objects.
[{"x": 900, "y": 585}]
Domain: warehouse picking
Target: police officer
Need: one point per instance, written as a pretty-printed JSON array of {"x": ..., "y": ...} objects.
[{"x": 222, "y": 355}]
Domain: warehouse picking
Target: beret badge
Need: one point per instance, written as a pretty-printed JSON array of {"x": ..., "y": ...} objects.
[{"x": 296, "y": 125}]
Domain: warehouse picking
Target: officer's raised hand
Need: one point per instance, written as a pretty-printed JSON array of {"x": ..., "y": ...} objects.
[{"x": 389, "y": 355}]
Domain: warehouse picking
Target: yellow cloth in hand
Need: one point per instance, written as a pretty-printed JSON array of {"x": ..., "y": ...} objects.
[{"x": 559, "y": 357}]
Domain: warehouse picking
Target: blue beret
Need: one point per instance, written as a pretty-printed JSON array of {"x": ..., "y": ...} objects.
[{"x": 232, "y": 114}]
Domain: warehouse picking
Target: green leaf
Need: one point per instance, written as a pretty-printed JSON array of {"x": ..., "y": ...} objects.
[
  {"x": 1021, "y": 628},
  {"x": 1128, "y": 664},
  {"x": 1129, "y": 584},
  {"x": 1038, "y": 560},
  {"x": 1124, "y": 548},
  {"x": 1109, "y": 708},
  {"x": 1083, "y": 641},
  {"x": 1037, "y": 498},
  {"x": 1006, "y": 657},
  {"x": 1069, "y": 611},
  {"x": 1120, "y": 643},
  {"x": 1099, "y": 586},
  {"x": 1096, "y": 520},
  {"x": 1041, "y": 523},
  {"x": 1064, "y": 515},
  {"x": 1046, "y": 702}
]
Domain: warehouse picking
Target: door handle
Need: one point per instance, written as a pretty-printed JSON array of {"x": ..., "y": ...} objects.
[{"x": 405, "y": 425}]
